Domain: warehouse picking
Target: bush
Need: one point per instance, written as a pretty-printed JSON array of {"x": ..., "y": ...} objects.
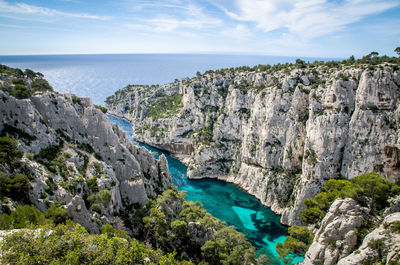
[
  {"x": 167, "y": 227},
  {"x": 41, "y": 85},
  {"x": 103, "y": 109},
  {"x": 108, "y": 230},
  {"x": 56, "y": 214},
  {"x": 72, "y": 244},
  {"x": 21, "y": 92},
  {"x": 49, "y": 153},
  {"x": 368, "y": 190},
  {"x": 22, "y": 217},
  {"x": 395, "y": 227},
  {"x": 14, "y": 186},
  {"x": 297, "y": 243},
  {"x": 9, "y": 154}
]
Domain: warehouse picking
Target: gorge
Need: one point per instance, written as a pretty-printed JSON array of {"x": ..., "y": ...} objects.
[
  {"x": 279, "y": 132},
  {"x": 226, "y": 202},
  {"x": 299, "y": 137}
]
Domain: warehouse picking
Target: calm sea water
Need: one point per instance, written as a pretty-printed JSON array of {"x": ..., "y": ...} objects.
[
  {"x": 99, "y": 76},
  {"x": 228, "y": 203}
]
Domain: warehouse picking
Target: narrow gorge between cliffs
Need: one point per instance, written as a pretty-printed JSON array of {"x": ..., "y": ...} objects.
[{"x": 227, "y": 202}]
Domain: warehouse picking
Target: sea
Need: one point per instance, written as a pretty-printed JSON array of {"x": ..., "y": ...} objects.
[{"x": 99, "y": 76}]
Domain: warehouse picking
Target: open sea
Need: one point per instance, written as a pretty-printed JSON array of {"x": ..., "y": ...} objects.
[{"x": 99, "y": 76}]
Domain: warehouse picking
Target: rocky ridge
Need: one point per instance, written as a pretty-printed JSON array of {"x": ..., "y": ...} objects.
[
  {"x": 75, "y": 157},
  {"x": 278, "y": 132}
]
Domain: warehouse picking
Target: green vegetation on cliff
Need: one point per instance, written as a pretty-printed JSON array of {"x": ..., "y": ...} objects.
[
  {"x": 172, "y": 225},
  {"x": 297, "y": 243},
  {"x": 166, "y": 107},
  {"x": 183, "y": 227},
  {"x": 369, "y": 190},
  {"x": 22, "y": 84}
]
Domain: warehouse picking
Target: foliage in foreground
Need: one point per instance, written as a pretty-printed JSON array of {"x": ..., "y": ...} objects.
[
  {"x": 168, "y": 228},
  {"x": 30, "y": 216},
  {"x": 370, "y": 190},
  {"x": 297, "y": 243},
  {"x": 72, "y": 244}
]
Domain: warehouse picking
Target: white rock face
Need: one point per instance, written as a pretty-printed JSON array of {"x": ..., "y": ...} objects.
[
  {"x": 279, "y": 135},
  {"x": 389, "y": 249},
  {"x": 336, "y": 236},
  {"x": 92, "y": 150},
  {"x": 335, "y": 242}
]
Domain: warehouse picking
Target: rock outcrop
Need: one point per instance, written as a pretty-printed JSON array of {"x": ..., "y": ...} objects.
[
  {"x": 76, "y": 157},
  {"x": 278, "y": 133},
  {"x": 337, "y": 239}
]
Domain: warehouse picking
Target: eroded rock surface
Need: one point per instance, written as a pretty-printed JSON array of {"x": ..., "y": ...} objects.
[
  {"x": 96, "y": 172},
  {"x": 278, "y": 134}
]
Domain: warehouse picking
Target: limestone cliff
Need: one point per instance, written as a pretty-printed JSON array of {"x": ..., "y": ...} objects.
[
  {"x": 338, "y": 240},
  {"x": 75, "y": 157},
  {"x": 278, "y": 132}
]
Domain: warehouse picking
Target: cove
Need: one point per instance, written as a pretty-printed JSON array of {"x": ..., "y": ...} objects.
[{"x": 227, "y": 202}]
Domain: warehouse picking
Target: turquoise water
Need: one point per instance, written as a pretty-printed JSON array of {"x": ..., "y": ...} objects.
[{"x": 226, "y": 202}]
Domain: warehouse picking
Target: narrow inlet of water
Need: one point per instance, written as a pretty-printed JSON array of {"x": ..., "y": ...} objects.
[{"x": 227, "y": 202}]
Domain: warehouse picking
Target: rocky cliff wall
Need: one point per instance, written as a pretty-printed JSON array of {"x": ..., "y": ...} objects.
[
  {"x": 337, "y": 239},
  {"x": 74, "y": 155},
  {"x": 279, "y": 133}
]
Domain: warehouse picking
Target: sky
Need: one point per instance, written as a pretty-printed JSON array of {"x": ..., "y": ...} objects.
[{"x": 313, "y": 28}]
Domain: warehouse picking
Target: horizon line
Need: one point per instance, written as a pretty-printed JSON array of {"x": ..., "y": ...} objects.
[{"x": 175, "y": 53}]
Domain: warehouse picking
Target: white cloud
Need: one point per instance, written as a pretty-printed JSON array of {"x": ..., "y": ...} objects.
[
  {"x": 172, "y": 15},
  {"x": 307, "y": 18},
  {"x": 238, "y": 32},
  {"x": 165, "y": 24},
  {"x": 26, "y": 9}
]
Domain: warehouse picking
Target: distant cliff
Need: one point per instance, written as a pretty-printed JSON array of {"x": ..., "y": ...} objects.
[{"x": 279, "y": 132}]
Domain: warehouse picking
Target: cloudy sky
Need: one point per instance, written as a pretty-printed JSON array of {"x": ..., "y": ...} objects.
[{"x": 318, "y": 28}]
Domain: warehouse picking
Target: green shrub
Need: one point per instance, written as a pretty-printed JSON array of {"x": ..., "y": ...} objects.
[
  {"x": 103, "y": 109},
  {"x": 22, "y": 217},
  {"x": 14, "y": 186},
  {"x": 57, "y": 214},
  {"x": 21, "y": 92},
  {"x": 50, "y": 153},
  {"x": 395, "y": 227},
  {"x": 9, "y": 154},
  {"x": 41, "y": 85},
  {"x": 92, "y": 184},
  {"x": 72, "y": 244},
  {"x": 108, "y": 230},
  {"x": 19, "y": 81},
  {"x": 368, "y": 190},
  {"x": 102, "y": 198},
  {"x": 168, "y": 229},
  {"x": 297, "y": 243}
]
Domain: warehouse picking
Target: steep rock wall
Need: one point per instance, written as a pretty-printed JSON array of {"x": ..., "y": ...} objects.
[
  {"x": 91, "y": 150},
  {"x": 280, "y": 135}
]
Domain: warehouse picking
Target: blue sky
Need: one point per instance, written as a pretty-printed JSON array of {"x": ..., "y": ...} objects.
[{"x": 317, "y": 28}]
